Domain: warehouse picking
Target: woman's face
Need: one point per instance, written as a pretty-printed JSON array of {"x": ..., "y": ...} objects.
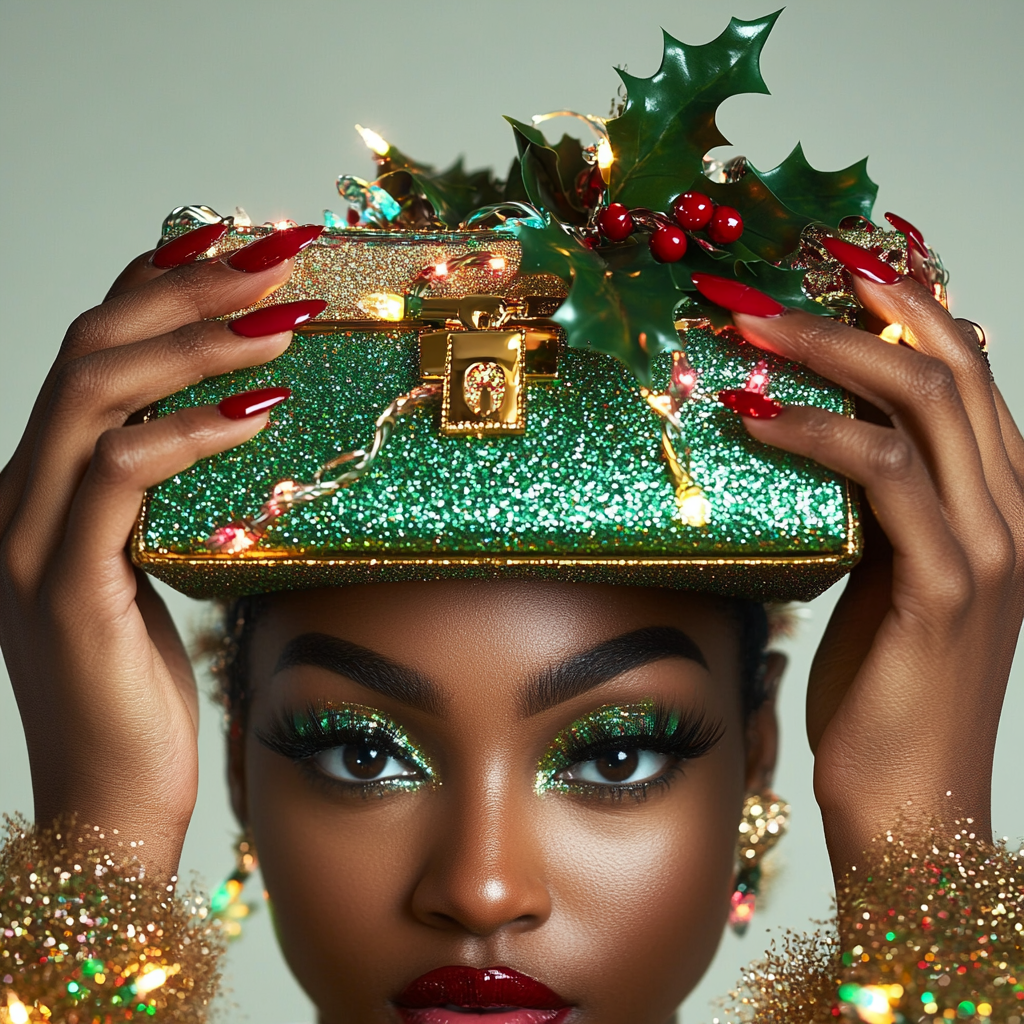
[{"x": 545, "y": 778}]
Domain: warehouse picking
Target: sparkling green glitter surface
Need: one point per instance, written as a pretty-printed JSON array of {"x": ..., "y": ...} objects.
[
  {"x": 587, "y": 480},
  {"x": 607, "y": 723},
  {"x": 347, "y": 720}
]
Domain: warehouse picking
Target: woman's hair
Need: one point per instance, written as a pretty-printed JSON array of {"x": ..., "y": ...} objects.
[{"x": 230, "y": 645}]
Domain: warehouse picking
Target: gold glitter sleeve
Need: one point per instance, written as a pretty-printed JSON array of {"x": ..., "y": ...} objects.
[
  {"x": 85, "y": 937},
  {"x": 925, "y": 932}
]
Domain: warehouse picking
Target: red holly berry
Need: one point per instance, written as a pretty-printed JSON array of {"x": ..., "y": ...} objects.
[
  {"x": 693, "y": 210},
  {"x": 615, "y": 222},
  {"x": 668, "y": 243},
  {"x": 590, "y": 185},
  {"x": 725, "y": 226}
]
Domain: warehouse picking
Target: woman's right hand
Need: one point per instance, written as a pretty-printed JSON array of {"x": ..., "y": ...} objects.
[{"x": 103, "y": 682}]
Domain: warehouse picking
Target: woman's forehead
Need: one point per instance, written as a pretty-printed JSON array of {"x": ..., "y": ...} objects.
[{"x": 453, "y": 630}]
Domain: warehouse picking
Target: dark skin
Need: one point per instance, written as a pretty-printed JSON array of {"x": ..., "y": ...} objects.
[
  {"x": 481, "y": 869},
  {"x": 928, "y": 621}
]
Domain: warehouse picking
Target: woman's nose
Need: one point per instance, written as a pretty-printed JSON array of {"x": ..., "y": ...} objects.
[{"x": 485, "y": 871}]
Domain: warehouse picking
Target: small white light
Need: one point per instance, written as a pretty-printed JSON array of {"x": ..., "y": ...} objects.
[
  {"x": 150, "y": 980},
  {"x": 375, "y": 142}
]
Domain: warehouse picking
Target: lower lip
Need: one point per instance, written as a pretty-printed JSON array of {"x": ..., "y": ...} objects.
[{"x": 441, "y": 1015}]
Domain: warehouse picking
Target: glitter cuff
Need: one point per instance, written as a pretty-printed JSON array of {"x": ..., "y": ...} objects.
[
  {"x": 85, "y": 937},
  {"x": 925, "y": 932}
]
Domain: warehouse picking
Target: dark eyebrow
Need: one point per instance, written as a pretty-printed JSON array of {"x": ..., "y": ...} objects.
[
  {"x": 606, "y": 661},
  {"x": 362, "y": 666}
]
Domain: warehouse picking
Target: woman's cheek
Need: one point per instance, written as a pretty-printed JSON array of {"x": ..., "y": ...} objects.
[{"x": 338, "y": 874}]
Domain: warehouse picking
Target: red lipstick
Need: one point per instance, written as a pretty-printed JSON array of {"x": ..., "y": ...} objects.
[{"x": 466, "y": 995}]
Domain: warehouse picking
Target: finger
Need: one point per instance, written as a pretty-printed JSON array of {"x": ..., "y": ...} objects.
[
  {"x": 918, "y": 392},
  {"x": 934, "y": 332},
  {"x": 126, "y": 462},
  {"x": 889, "y": 468},
  {"x": 139, "y": 271},
  {"x": 175, "y": 252},
  {"x": 162, "y": 305},
  {"x": 197, "y": 291},
  {"x": 99, "y": 391},
  {"x": 1012, "y": 439}
]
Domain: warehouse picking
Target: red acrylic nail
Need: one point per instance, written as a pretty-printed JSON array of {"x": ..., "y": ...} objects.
[
  {"x": 860, "y": 262},
  {"x": 250, "y": 403},
  {"x": 275, "y": 248},
  {"x": 750, "y": 403},
  {"x": 285, "y": 316},
  {"x": 908, "y": 229},
  {"x": 188, "y": 247},
  {"x": 736, "y": 297}
]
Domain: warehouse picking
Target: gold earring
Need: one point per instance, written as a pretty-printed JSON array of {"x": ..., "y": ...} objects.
[
  {"x": 226, "y": 900},
  {"x": 764, "y": 822}
]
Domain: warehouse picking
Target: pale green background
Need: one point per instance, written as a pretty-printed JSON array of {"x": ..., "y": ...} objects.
[{"x": 115, "y": 112}]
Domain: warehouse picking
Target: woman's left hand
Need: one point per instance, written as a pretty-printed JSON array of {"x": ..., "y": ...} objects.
[{"x": 908, "y": 683}]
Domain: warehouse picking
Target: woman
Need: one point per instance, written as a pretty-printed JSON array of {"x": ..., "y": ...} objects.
[{"x": 511, "y": 801}]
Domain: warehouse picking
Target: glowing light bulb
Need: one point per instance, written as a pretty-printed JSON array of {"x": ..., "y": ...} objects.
[
  {"x": 694, "y": 509},
  {"x": 496, "y": 263},
  {"x": 231, "y": 539},
  {"x": 375, "y": 142},
  {"x": 892, "y": 334},
  {"x": 605, "y": 158},
  {"x": 17, "y": 1012},
  {"x": 383, "y": 305},
  {"x": 151, "y": 980},
  {"x": 441, "y": 270},
  {"x": 758, "y": 379}
]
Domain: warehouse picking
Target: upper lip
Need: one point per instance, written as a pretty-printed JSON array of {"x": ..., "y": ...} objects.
[{"x": 479, "y": 990}]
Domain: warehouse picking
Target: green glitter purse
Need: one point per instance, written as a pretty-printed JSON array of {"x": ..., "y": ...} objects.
[{"x": 457, "y": 410}]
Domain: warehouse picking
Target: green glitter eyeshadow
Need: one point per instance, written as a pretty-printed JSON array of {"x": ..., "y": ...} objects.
[
  {"x": 352, "y": 723},
  {"x": 603, "y": 725}
]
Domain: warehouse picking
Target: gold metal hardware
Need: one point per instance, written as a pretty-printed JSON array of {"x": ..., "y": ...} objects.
[
  {"x": 485, "y": 368},
  {"x": 484, "y": 388}
]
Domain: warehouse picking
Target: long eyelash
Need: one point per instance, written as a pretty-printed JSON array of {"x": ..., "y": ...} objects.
[
  {"x": 685, "y": 737},
  {"x": 304, "y": 735}
]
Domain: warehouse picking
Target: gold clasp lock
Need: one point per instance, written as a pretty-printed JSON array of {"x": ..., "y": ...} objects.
[{"x": 484, "y": 368}]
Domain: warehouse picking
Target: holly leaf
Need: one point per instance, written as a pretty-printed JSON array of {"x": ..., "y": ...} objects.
[
  {"x": 549, "y": 250},
  {"x": 515, "y": 190},
  {"x": 571, "y": 162},
  {"x": 824, "y": 196},
  {"x": 454, "y": 193},
  {"x": 543, "y": 178},
  {"x": 627, "y": 312},
  {"x": 771, "y": 230},
  {"x": 668, "y": 123}
]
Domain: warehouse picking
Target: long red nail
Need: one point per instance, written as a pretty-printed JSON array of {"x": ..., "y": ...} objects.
[
  {"x": 188, "y": 247},
  {"x": 904, "y": 227},
  {"x": 750, "y": 403},
  {"x": 285, "y": 316},
  {"x": 860, "y": 262},
  {"x": 249, "y": 403},
  {"x": 278, "y": 246},
  {"x": 736, "y": 297}
]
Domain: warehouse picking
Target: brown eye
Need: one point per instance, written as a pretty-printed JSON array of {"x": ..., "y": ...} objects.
[
  {"x": 617, "y": 767},
  {"x": 362, "y": 762}
]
